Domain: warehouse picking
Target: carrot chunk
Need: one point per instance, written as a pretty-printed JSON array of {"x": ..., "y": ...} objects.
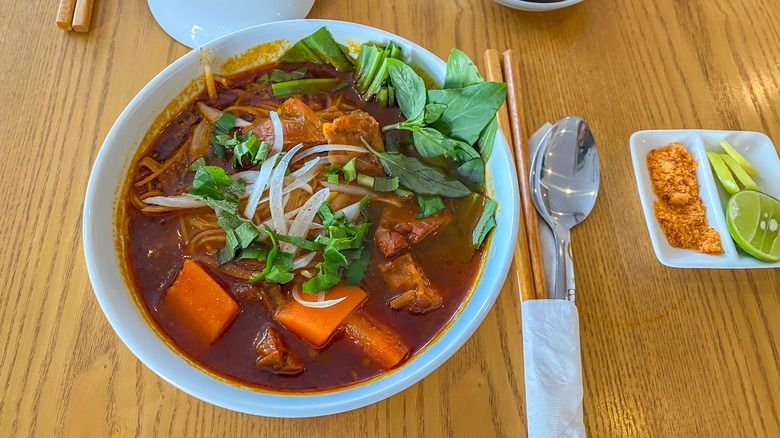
[
  {"x": 379, "y": 342},
  {"x": 317, "y": 325},
  {"x": 200, "y": 302}
]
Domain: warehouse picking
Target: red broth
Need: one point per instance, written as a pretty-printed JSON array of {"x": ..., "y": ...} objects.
[{"x": 156, "y": 246}]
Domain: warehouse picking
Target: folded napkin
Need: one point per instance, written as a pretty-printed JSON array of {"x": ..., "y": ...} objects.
[{"x": 551, "y": 350}]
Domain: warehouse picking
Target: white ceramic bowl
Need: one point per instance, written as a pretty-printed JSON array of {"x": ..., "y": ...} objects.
[
  {"x": 196, "y": 22},
  {"x": 754, "y": 146},
  {"x": 103, "y": 260},
  {"x": 537, "y": 7}
]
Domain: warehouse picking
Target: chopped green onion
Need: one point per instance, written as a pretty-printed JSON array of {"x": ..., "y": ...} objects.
[
  {"x": 384, "y": 184},
  {"x": 349, "y": 170},
  {"x": 365, "y": 181}
]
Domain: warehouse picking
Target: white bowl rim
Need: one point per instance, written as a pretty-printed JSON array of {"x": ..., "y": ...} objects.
[
  {"x": 524, "y": 5},
  {"x": 291, "y": 405}
]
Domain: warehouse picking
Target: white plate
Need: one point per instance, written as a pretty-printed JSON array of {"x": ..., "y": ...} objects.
[
  {"x": 104, "y": 260},
  {"x": 536, "y": 7},
  {"x": 755, "y": 146},
  {"x": 196, "y": 22}
]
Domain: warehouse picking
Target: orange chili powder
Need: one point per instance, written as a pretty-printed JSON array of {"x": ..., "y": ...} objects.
[{"x": 679, "y": 209}]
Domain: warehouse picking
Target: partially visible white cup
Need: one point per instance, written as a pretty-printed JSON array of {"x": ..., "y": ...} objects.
[
  {"x": 197, "y": 22},
  {"x": 536, "y": 6}
]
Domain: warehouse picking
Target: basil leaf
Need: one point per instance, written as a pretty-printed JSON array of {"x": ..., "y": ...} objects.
[
  {"x": 393, "y": 141},
  {"x": 461, "y": 71},
  {"x": 306, "y": 86},
  {"x": 473, "y": 171},
  {"x": 487, "y": 139},
  {"x": 433, "y": 112},
  {"x": 487, "y": 222},
  {"x": 431, "y": 143},
  {"x": 418, "y": 176},
  {"x": 429, "y": 205},
  {"x": 409, "y": 90},
  {"x": 469, "y": 109}
]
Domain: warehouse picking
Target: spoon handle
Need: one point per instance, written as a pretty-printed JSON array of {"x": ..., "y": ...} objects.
[{"x": 560, "y": 283}]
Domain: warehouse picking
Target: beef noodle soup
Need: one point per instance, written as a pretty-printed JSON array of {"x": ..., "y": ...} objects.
[{"x": 313, "y": 222}]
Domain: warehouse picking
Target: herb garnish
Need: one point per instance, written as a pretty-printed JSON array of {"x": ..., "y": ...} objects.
[
  {"x": 222, "y": 193},
  {"x": 419, "y": 177},
  {"x": 242, "y": 146},
  {"x": 344, "y": 250}
]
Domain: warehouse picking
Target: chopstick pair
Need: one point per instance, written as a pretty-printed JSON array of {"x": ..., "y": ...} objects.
[
  {"x": 529, "y": 267},
  {"x": 75, "y": 15}
]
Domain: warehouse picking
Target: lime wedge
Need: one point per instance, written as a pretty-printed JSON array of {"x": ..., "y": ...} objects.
[
  {"x": 742, "y": 176},
  {"x": 724, "y": 175},
  {"x": 745, "y": 164},
  {"x": 754, "y": 223}
]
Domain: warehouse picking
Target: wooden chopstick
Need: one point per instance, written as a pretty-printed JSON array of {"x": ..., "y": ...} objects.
[
  {"x": 520, "y": 136},
  {"x": 82, "y": 15},
  {"x": 65, "y": 14},
  {"x": 523, "y": 269}
]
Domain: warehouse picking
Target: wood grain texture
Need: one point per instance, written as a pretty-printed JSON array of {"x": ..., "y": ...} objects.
[
  {"x": 666, "y": 352},
  {"x": 523, "y": 270},
  {"x": 522, "y": 156}
]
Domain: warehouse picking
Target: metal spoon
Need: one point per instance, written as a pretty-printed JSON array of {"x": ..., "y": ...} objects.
[{"x": 565, "y": 182}]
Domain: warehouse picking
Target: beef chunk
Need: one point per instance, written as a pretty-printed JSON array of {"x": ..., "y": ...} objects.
[
  {"x": 348, "y": 129},
  {"x": 274, "y": 355},
  {"x": 405, "y": 275},
  {"x": 299, "y": 123},
  {"x": 399, "y": 228},
  {"x": 389, "y": 242}
]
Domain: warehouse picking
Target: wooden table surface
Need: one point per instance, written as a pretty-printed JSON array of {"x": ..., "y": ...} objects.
[{"x": 666, "y": 352}]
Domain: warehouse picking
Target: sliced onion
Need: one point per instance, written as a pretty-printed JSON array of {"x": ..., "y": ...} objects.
[
  {"x": 199, "y": 146},
  {"x": 259, "y": 187},
  {"x": 278, "y": 133},
  {"x": 248, "y": 176},
  {"x": 327, "y": 148},
  {"x": 351, "y": 211},
  {"x": 275, "y": 186},
  {"x": 305, "y": 217},
  {"x": 314, "y": 304},
  {"x": 304, "y": 260},
  {"x": 361, "y": 191},
  {"x": 305, "y": 168},
  {"x": 213, "y": 114},
  {"x": 179, "y": 201}
]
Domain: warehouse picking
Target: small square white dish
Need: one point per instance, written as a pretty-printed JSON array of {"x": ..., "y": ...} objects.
[{"x": 754, "y": 146}]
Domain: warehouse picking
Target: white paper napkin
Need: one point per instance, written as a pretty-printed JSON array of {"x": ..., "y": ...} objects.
[
  {"x": 551, "y": 350},
  {"x": 553, "y": 369}
]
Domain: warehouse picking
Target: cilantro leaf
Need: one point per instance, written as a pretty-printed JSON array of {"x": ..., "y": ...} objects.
[
  {"x": 344, "y": 250},
  {"x": 226, "y": 122},
  {"x": 222, "y": 193}
]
